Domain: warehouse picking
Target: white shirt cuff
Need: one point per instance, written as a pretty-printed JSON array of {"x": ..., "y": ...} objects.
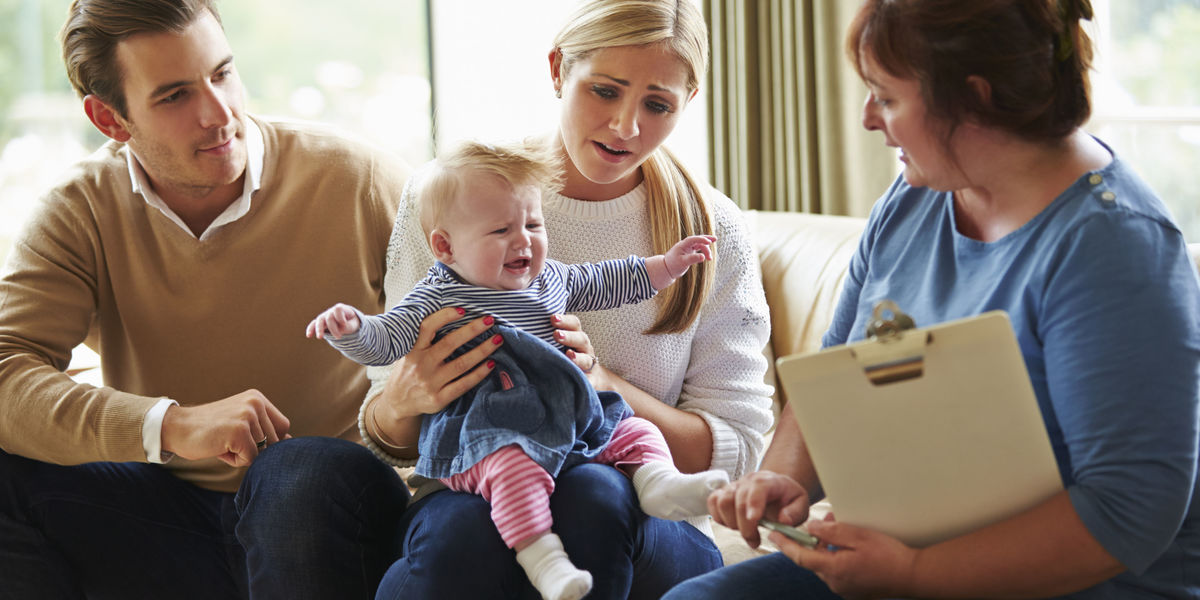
[{"x": 152, "y": 431}]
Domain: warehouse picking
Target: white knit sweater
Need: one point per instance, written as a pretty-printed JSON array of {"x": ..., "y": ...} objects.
[{"x": 714, "y": 369}]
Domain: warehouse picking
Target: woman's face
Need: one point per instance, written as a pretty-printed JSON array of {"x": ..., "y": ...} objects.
[
  {"x": 620, "y": 104},
  {"x": 895, "y": 107}
]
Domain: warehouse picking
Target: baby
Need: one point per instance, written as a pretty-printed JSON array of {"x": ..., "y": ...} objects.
[{"x": 535, "y": 414}]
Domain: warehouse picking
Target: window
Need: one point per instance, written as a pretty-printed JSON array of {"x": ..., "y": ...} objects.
[
  {"x": 359, "y": 64},
  {"x": 1146, "y": 95}
]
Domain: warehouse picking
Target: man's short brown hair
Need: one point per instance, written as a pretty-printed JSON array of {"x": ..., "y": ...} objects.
[{"x": 95, "y": 27}]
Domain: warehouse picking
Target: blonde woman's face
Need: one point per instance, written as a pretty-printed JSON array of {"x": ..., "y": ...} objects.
[{"x": 619, "y": 105}]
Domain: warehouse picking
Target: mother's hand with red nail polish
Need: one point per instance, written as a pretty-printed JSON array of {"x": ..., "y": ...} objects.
[{"x": 424, "y": 382}]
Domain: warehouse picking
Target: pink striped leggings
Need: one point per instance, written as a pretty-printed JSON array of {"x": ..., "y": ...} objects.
[{"x": 519, "y": 489}]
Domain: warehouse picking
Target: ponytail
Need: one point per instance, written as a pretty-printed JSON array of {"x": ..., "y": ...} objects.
[
  {"x": 677, "y": 209},
  {"x": 1073, "y": 60}
]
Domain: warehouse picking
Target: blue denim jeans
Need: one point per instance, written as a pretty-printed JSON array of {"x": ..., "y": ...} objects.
[
  {"x": 451, "y": 548},
  {"x": 314, "y": 518},
  {"x": 770, "y": 576}
]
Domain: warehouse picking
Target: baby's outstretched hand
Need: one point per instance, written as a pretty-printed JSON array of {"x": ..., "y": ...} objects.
[
  {"x": 687, "y": 252},
  {"x": 336, "y": 321}
]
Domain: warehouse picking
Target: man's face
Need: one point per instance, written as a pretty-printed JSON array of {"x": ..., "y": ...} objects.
[{"x": 185, "y": 110}]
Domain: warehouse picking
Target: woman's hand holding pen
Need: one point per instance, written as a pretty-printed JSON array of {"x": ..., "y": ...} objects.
[{"x": 855, "y": 562}]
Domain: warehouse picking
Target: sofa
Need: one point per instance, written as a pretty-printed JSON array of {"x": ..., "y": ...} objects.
[{"x": 804, "y": 259}]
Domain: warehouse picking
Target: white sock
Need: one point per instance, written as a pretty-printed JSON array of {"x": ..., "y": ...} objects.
[
  {"x": 666, "y": 493},
  {"x": 551, "y": 572}
]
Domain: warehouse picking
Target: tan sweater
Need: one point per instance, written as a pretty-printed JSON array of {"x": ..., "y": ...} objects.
[{"x": 195, "y": 321}]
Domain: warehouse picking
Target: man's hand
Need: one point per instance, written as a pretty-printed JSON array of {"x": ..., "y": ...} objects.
[
  {"x": 230, "y": 429},
  {"x": 336, "y": 321}
]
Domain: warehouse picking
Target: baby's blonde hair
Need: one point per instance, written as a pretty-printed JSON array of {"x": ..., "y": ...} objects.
[{"x": 518, "y": 164}]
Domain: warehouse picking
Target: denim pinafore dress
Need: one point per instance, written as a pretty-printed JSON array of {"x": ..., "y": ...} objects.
[{"x": 536, "y": 398}]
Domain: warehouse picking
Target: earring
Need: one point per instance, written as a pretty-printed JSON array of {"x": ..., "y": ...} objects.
[{"x": 558, "y": 93}]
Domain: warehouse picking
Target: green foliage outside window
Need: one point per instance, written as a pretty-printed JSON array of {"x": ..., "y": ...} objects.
[{"x": 1154, "y": 55}]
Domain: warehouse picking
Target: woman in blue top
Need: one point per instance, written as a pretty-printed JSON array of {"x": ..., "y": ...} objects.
[{"x": 1005, "y": 203}]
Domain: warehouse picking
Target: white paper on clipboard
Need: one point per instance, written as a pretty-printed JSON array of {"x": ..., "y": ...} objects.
[{"x": 952, "y": 439}]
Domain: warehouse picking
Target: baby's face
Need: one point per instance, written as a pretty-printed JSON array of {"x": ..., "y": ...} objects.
[{"x": 497, "y": 234}]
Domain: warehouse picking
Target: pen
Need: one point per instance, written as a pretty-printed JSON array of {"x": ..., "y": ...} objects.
[{"x": 801, "y": 537}]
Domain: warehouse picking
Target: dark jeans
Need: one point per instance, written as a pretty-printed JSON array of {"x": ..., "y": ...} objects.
[
  {"x": 776, "y": 576},
  {"x": 314, "y": 518},
  {"x": 769, "y": 576},
  {"x": 451, "y": 548}
]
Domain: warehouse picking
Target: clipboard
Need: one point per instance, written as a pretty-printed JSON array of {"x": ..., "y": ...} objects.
[{"x": 923, "y": 433}]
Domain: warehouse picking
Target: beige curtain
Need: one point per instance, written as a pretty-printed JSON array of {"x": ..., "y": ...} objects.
[{"x": 785, "y": 109}]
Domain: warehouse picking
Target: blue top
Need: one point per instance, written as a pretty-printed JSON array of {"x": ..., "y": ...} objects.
[{"x": 1104, "y": 300}]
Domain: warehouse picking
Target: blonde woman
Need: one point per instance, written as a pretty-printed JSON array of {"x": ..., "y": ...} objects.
[
  {"x": 1006, "y": 203},
  {"x": 691, "y": 362}
]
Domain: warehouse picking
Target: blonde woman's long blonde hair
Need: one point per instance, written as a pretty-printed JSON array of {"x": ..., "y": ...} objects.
[{"x": 677, "y": 206}]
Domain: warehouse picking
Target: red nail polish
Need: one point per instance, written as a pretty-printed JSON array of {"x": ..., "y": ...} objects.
[
  {"x": 496, "y": 339},
  {"x": 488, "y": 320},
  {"x": 491, "y": 364},
  {"x": 461, "y": 311},
  {"x": 555, "y": 318}
]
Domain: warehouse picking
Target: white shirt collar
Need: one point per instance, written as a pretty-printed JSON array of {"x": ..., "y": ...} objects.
[{"x": 255, "y": 154}]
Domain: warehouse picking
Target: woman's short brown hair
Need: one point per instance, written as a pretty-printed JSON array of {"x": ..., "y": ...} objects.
[
  {"x": 1033, "y": 54},
  {"x": 95, "y": 27}
]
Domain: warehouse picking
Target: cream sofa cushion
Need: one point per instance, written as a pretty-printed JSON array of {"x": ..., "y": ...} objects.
[{"x": 804, "y": 260}]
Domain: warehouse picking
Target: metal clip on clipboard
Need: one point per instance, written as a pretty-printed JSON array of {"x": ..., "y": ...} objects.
[{"x": 894, "y": 349}]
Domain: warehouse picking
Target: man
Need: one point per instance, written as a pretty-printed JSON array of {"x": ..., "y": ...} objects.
[{"x": 184, "y": 251}]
